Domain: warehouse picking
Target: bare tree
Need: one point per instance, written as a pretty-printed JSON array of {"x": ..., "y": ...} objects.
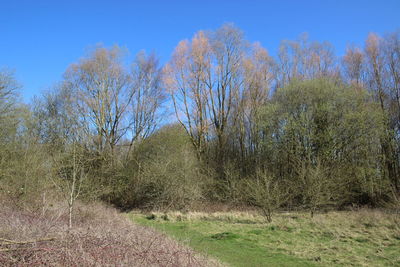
[
  {"x": 375, "y": 65},
  {"x": 354, "y": 66},
  {"x": 224, "y": 81},
  {"x": 59, "y": 125},
  {"x": 184, "y": 78},
  {"x": 218, "y": 82},
  {"x": 205, "y": 81},
  {"x": 102, "y": 87},
  {"x": 114, "y": 103},
  {"x": 56, "y": 118},
  {"x": 258, "y": 79},
  {"x": 302, "y": 59},
  {"x": 71, "y": 172},
  {"x": 8, "y": 88},
  {"x": 391, "y": 50},
  {"x": 8, "y": 102},
  {"x": 146, "y": 97},
  {"x": 378, "y": 83}
]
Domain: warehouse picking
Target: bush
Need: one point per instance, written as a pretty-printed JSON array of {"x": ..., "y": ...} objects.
[
  {"x": 163, "y": 173},
  {"x": 266, "y": 192}
]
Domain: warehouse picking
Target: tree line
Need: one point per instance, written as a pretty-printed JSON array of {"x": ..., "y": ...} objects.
[{"x": 221, "y": 121}]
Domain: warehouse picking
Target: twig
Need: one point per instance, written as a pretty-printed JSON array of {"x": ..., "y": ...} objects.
[
  {"x": 12, "y": 242},
  {"x": 15, "y": 249}
]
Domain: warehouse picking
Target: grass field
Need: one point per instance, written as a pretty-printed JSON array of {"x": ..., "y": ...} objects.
[{"x": 357, "y": 238}]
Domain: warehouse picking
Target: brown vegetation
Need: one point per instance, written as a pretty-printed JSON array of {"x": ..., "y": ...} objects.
[{"x": 101, "y": 236}]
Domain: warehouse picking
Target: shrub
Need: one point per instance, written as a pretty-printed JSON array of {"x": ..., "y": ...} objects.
[
  {"x": 163, "y": 173},
  {"x": 266, "y": 192}
]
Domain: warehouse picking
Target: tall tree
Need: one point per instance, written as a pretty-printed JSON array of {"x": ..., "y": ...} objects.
[
  {"x": 146, "y": 97},
  {"x": 184, "y": 78},
  {"x": 258, "y": 79},
  {"x": 379, "y": 84},
  {"x": 102, "y": 87},
  {"x": 8, "y": 104},
  {"x": 224, "y": 81},
  {"x": 354, "y": 66},
  {"x": 216, "y": 80},
  {"x": 302, "y": 59}
]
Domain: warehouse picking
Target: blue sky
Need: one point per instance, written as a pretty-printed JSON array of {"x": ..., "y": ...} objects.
[{"x": 39, "y": 39}]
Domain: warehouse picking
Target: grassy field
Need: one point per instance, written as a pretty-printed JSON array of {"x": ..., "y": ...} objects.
[{"x": 357, "y": 238}]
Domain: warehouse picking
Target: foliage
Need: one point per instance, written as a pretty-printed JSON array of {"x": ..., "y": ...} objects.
[
  {"x": 318, "y": 134},
  {"x": 162, "y": 173}
]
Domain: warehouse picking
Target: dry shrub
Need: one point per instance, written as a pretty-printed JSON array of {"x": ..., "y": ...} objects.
[{"x": 101, "y": 237}]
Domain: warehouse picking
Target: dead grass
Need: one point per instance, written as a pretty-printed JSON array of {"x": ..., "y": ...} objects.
[{"x": 101, "y": 237}]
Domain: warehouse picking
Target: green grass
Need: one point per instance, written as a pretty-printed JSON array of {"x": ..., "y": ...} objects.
[{"x": 365, "y": 238}]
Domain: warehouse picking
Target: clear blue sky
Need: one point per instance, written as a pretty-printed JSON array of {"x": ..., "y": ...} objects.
[{"x": 39, "y": 39}]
